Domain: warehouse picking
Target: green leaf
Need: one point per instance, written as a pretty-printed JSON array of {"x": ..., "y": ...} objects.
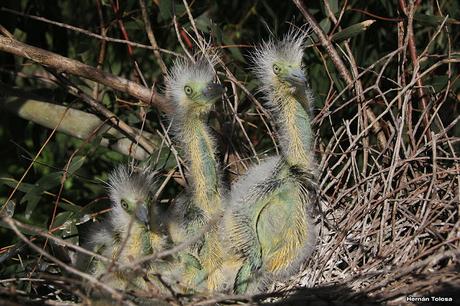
[
  {"x": 234, "y": 51},
  {"x": 70, "y": 232},
  {"x": 70, "y": 207},
  {"x": 49, "y": 181},
  {"x": 76, "y": 164},
  {"x": 45, "y": 183},
  {"x": 110, "y": 137},
  {"x": 32, "y": 198},
  {"x": 115, "y": 67},
  {"x": 134, "y": 25},
  {"x": 92, "y": 207},
  {"x": 133, "y": 119},
  {"x": 165, "y": 10},
  {"x": 191, "y": 261},
  {"x": 11, "y": 182},
  {"x": 203, "y": 23},
  {"x": 439, "y": 82},
  {"x": 325, "y": 24},
  {"x": 243, "y": 278},
  {"x": 19, "y": 34},
  {"x": 62, "y": 217},
  {"x": 433, "y": 20},
  {"x": 334, "y": 6},
  {"x": 352, "y": 31},
  {"x": 165, "y": 158},
  {"x": 217, "y": 31}
]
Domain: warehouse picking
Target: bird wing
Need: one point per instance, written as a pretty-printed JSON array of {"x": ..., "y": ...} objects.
[
  {"x": 247, "y": 200},
  {"x": 284, "y": 225},
  {"x": 245, "y": 235}
]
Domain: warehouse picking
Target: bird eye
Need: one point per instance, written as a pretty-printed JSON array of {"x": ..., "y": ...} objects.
[
  {"x": 276, "y": 69},
  {"x": 188, "y": 90},
  {"x": 124, "y": 204}
]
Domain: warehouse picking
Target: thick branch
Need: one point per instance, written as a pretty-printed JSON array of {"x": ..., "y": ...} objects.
[
  {"x": 105, "y": 112},
  {"x": 64, "y": 64},
  {"x": 76, "y": 123}
]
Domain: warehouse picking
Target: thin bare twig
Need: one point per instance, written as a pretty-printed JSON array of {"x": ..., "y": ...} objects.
[
  {"x": 151, "y": 36},
  {"x": 409, "y": 12},
  {"x": 90, "y": 34},
  {"x": 115, "y": 294}
]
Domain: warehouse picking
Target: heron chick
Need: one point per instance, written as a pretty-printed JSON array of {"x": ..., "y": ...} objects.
[
  {"x": 193, "y": 92},
  {"x": 270, "y": 221},
  {"x": 133, "y": 228}
]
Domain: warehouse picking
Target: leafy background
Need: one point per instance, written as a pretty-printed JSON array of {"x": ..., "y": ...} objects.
[{"x": 244, "y": 136}]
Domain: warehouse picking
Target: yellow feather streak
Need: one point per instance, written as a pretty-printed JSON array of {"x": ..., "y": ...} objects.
[
  {"x": 212, "y": 261},
  {"x": 284, "y": 252},
  {"x": 296, "y": 153},
  {"x": 206, "y": 196},
  {"x": 293, "y": 240},
  {"x": 129, "y": 248}
]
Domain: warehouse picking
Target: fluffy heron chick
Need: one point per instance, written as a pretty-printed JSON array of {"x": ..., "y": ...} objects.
[
  {"x": 133, "y": 228},
  {"x": 192, "y": 89},
  {"x": 270, "y": 221},
  {"x": 278, "y": 66}
]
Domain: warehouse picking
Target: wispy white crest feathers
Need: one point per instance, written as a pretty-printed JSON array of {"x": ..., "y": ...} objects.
[
  {"x": 289, "y": 49},
  {"x": 184, "y": 71},
  {"x": 130, "y": 183}
]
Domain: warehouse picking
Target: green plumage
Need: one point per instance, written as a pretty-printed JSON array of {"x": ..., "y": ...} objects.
[
  {"x": 191, "y": 88},
  {"x": 270, "y": 221}
]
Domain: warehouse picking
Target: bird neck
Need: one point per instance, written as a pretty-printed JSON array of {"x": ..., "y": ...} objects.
[
  {"x": 294, "y": 128},
  {"x": 204, "y": 176}
]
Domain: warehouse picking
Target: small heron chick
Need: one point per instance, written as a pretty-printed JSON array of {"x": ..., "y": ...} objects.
[
  {"x": 278, "y": 66},
  {"x": 270, "y": 221},
  {"x": 133, "y": 228},
  {"x": 192, "y": 89}
]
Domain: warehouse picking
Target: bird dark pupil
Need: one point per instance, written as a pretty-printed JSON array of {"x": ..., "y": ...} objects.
[{"x": 188, "y": 90}]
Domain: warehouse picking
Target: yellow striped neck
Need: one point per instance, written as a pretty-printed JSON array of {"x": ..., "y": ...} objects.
[
  {"x": 136, "y": 243},
  {"x": 294, "y": 129},
  {"x": 199, "y": 146},
  {"x": 280, "y": 258}
]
